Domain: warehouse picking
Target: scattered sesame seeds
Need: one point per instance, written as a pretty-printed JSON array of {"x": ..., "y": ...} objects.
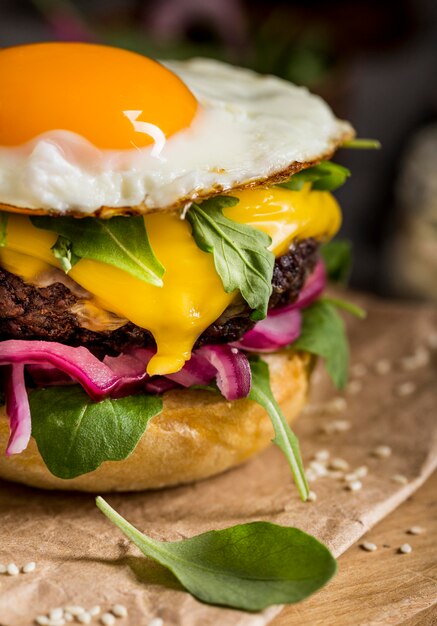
[
  {"x": 368, "y": 546},
  {"x": 405, "y": 548},
  {"x": 336, "y": 426},
  {"x": 336, "y": 405},
  {"x": 29, "y": 567},
  {"x": 311, "y": 475},
  {"x": 68, "y": 616},
  {"x": 415, "y": 530},
  {"x": 350, "y": 477},
  {"x": 382, "y": 367},
  {"x": 312, "y": 496},
  {"x": 318, "y": 468},
  {"x": 12, "y": 569},
  {"x": 56, "y": 622},
  {"x": 339, "y": 464},
  {"x": 119, "y": 610},
  {"x": 354, "y": 387},
  {"x": 406, "y": 389},
  {"x": 107, "y": 619},
  {"x": 3, "y": 568},
  {"x": 84, "y": 618},
  {"x": 156, "y": 621},
  {"x": 42, "y": 620},
  {"x": 74, "y": 610},
  {"x": 381, "y": 452},
  {"x": 335, "y": 474},
  {"x": 355, "y": 485},
  {"x": 358, "y": 370},
  {"x": 399, "y": 479},
  {"x": 57, "y": 613}
]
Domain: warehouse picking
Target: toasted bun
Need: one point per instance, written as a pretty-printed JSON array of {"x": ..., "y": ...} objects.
[{"x": 197, "y": 435}]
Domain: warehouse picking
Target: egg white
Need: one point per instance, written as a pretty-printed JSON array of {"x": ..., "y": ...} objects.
[{"x": 248, "y": 128}]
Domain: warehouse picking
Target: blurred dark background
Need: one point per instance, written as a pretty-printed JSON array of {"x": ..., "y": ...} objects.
[{"x": 375, "y": 62}]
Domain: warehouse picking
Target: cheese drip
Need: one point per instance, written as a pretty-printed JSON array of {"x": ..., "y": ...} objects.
[{"x": 192, "y": 296}]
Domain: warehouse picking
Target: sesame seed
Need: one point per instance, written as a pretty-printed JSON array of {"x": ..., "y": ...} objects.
[
  {"x": 361, "y": 471},
  {"x": 336, "y": 426},
  {"x": 119, "y": 610},
  {"x": 57, "y": 613},
  {"x": 95, "y": 610},
  {"x": 354, "y": 387},
  {"x": 350, "y": 477},
  {"x": 382, "y": 452},
  {"x": 84, "y": 618},
  {"x": 405, "y": 548},
  {"x": 68, "y": 616},
  {"x": 336, "y": 405},
  {"x": 312, "y": 496},
  {"x": 42, "y": 620},
  {"x": 29, "y": 567},
  {"x": 355, "y": 485},
  {"x": 399, "y": 479},
  {"x": 74, "y": 609},
  {"x": 318, "y": 468},
  {"x": 419, "y": 359},
  {"x": 368, "y": 546},
  {"x": 406, "y": 389},
  {"x": 339, "y": 464},
  {"x": 322, "y": 455},
  {"x": 156, "y": 621},
  {"x": 3, "y": 568},
  {"x": 382, "y": 367},
  {"x": 415, "y": 530},
  {"x": 359, "y": 370},
  {"x": 12, "y": 569},
  {"x": 107, "y": 619},
  {"x": 234, "y": 350},
  {"x": 311, "y": 475},
  {"x": 57, "y": 622}
]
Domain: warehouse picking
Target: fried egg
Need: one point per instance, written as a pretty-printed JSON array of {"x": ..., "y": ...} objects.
[{"x": 88, "y": 129}]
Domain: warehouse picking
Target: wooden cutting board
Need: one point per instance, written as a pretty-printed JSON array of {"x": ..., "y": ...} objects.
[{"x": 382, "y": 587}]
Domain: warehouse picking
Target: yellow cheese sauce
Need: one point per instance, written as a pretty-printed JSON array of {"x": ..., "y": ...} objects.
[{"x": 192, "y": 296}]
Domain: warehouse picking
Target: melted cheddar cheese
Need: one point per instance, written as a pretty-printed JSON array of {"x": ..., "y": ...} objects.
[{"x": 192, "y": 296}]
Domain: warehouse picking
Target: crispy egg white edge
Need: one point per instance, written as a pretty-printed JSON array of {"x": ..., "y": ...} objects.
[{"x": 249, "y": 129}]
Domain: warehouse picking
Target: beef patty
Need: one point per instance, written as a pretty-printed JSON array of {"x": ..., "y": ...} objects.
[{"x": 45, "y": 313}]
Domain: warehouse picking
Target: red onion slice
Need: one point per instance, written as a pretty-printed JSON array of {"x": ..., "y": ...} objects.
[
  {"x": 196, "y": 371},
  {"x": 276, "y": 331},
  {"x": 17, "y": 409},
  {"x": 96, "y": 378},
  {"x": 233, "y": 374}
]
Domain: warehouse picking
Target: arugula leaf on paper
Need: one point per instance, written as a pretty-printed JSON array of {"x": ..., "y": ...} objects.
[
  {"x": 119, "y": 241},
  {"x": 3, "y": 228},
  {"x": 327, "y": 176},
  {"x": 284, "y": 436},
  {"x": 63, "y": 251},
  {"x": 323, "y": 333},
  {"x": 241, "y": 255},
  {"x": 75, "y": 435},
  {"x": 248, "y": 566},
  {"x": 337, "y": 256}
]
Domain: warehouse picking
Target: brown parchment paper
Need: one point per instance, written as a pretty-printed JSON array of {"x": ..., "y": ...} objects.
[{"x": 82, "y": 559}]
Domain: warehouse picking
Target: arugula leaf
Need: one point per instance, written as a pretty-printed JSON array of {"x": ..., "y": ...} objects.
[
  {"x": 119, "y": 241},
  {"x": 350, "y": 307},
  {"x": 75, "y": 435},
  {"x": 337, "y": 256},
  {"x": 327, "y": 176},
  {"x": 63, "y": 251},
  {"x": 3, "y": 228},
  {"x": 362, "y": 144},
  {"x": 241, "y": 255},
  {"x": 284, "y": 436},
  {"x": 248, "y": 566},
  {"x": 323, "y": 333}
]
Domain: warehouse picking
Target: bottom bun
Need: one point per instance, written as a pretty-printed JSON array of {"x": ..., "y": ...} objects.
[{"x": 198, "y": 434}]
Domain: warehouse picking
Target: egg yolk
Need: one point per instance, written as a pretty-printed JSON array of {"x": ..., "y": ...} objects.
[{"x": 114, "y": 98}]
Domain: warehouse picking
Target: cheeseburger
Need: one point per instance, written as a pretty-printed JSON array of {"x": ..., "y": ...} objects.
[{"x": 162, "y": 232}]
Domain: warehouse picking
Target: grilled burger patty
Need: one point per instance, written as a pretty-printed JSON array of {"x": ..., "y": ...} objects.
[{"x": 45, "y": 313}]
